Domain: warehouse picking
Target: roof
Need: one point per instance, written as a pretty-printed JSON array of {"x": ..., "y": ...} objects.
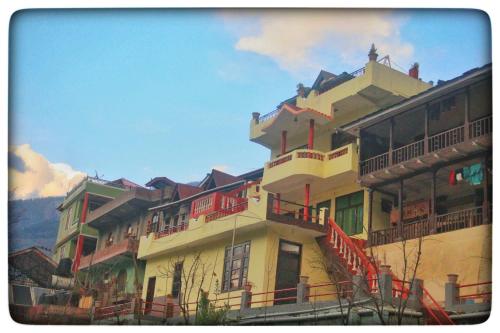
[
  {"x": 217, "y": 178},
  {"x": 322, "y": 76},
  {"x": 123, "y": 182},
  {"x": 35, "y": 264},
  {"x": 252, "y": 175},
  {"x": 184, "y": 190},
  {"x": 446, "y": 86},
  {"x": 157, "y": 182}
]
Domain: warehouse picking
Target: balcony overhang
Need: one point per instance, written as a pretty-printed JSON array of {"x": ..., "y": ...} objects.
[
  {"x": 289, "y": 118},
  {"x": 323, "y": 171},
  {"x": 111, "y": 254},
  {"x": 127, "y": 204}
]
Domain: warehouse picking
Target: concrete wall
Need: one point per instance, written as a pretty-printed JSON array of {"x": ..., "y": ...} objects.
[{"x": 466, "y": 252}]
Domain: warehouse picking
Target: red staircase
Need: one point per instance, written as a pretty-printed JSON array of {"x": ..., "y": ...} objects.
[{"x": 358, "y": 262}]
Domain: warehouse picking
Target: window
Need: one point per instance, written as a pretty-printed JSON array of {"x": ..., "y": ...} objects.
[
  {"x": 154, "y": 222},
  {"x": 349, "y": 213},
  {"x": 69, "y": 217},
  {"x": 177, "y": 281},
  {"x": 236, "y": 266}
]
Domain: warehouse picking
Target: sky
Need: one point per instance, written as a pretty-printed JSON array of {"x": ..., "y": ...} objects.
[{"x": 146, "y": 93}]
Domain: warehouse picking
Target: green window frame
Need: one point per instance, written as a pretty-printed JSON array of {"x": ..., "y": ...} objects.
[{"x": 349, "y": 212}]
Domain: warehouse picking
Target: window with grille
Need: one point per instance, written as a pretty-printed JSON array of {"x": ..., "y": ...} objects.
[{"x": 236, "y": 266}]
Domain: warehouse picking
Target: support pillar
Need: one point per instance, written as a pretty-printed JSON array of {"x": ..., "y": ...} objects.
[
  {"x": 432, "y": 207},
  {"x": 391, "y": 139},
  {"x": 385, "y": 284},
  {"x": 283, "y": 142},
  {"x": 370, "y": 211},
  {"x": 310, "y": 142},
  {"x": 303, "y": 290},
  {"x": 278, "y": 203},
  {"x": 451, "y": 292},
  {"x": 485, "y": 190},
  {"x": 400, "y": 208},
  {"x": 246, "y": 298},
  {"x": 306, "y": 202},
  {"x": 416, "y": 294},
  {"x": 426, "y": 130},
  {"x": 81, "y": 239},
  {"x": 467, "y": 115}
]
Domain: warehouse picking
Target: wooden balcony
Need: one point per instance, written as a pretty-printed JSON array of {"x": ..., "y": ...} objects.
[
  {"x": 462, "y": 219},
  {"x": 445, "y": 146},
  {"x": 125, "y": 248}
]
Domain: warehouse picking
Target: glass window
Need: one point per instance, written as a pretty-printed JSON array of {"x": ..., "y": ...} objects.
[
  {"x": 236, "y": 268},
  {"x": 349, "y": 213},
  {"x": 177, "y": 281}
]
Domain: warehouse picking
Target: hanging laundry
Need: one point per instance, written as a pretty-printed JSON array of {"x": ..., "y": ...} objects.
[
  {"x": 474, "y": 174},
  {"x": 451, "y": 179}
]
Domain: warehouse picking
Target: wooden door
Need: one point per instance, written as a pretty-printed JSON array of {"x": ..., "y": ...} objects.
[
  {"x": 287, "y": 272},
  {"x": 150, "y": 295}
]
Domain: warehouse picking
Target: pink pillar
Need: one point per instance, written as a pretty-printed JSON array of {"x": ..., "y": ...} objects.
[
  {"x": 306, "y": 202},
  {"x": 310, "y": 142},
  {"x": 81, "y": 239}
]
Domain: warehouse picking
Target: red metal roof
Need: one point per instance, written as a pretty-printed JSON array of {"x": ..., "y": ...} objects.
[{"x": 185, "y": 190}]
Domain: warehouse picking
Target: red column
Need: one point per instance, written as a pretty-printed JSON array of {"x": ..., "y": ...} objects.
[
  {"x": 283, "y": 142},
  {"x": 78, "y": 254},
  {"x": 80, "y": 240},
  {"x": 306, "y": 202},
  {"x": 278, "y": 203},
  {"x": 310, "y": 142}
]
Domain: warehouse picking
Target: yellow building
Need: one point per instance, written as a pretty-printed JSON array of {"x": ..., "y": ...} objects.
[{"x": 276, "y": 243}]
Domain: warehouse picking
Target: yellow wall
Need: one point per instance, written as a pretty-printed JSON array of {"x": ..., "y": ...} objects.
[
  {"x": 466, "y": 252},
  {"x": 262, "y": 265}
]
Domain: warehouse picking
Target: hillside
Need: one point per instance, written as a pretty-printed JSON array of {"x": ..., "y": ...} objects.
[{"x": 33, "y": 222}]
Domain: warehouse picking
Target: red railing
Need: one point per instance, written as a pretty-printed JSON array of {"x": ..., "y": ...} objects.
[
  {"x": 214, "y": 202},
  {"x": 357, "y": 261},
  {"x": 484, "y": 295},
  {"x": 129, "y": 245},
  {"x": 230, "y": 210},
  {"x": 114, "y": 310}
]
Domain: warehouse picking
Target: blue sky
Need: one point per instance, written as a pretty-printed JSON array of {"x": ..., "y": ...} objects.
[{"x": 144, "y": 93}]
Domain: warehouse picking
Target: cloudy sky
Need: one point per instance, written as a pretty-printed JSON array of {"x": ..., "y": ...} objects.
[{"x": 146, "y": 93}]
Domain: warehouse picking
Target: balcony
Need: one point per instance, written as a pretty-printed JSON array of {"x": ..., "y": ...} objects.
[
  {"x": 126, "y": 248},
  {"x": 213, "y": 217},
  {"x": 291, "y": 171},
  {"x": 457, "y": 220},
  {"x": 447, "y": 145}
]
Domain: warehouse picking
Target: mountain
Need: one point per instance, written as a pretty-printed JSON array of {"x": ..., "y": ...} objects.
[{"x": 33, "y": 222}]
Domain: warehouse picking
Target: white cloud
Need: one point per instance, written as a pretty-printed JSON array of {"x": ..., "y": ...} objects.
[
  {"x": 38, "y": 177},
  {"x": 301, "y": 40}
]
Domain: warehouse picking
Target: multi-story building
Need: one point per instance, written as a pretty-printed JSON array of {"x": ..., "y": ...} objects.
[
  {"x": 75, "y": 238},
  {"x": 426, "y": 166},
  {"x": 112, "y": 270},
  {"x": 263, "y": 230}
]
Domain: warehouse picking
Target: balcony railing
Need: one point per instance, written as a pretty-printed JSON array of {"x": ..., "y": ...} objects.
[
  {"x": 448, "y": 138},
  {"x": 462, "y": 219},
  {"x": 129, "y": 245},
  {"x": 214, "y": 202},
  {"x": 242, "y": 206},
  {"x": 289, "y": 212}
]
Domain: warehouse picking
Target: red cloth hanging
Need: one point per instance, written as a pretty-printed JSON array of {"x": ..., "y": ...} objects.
[{"x": 452, "y": 177}]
